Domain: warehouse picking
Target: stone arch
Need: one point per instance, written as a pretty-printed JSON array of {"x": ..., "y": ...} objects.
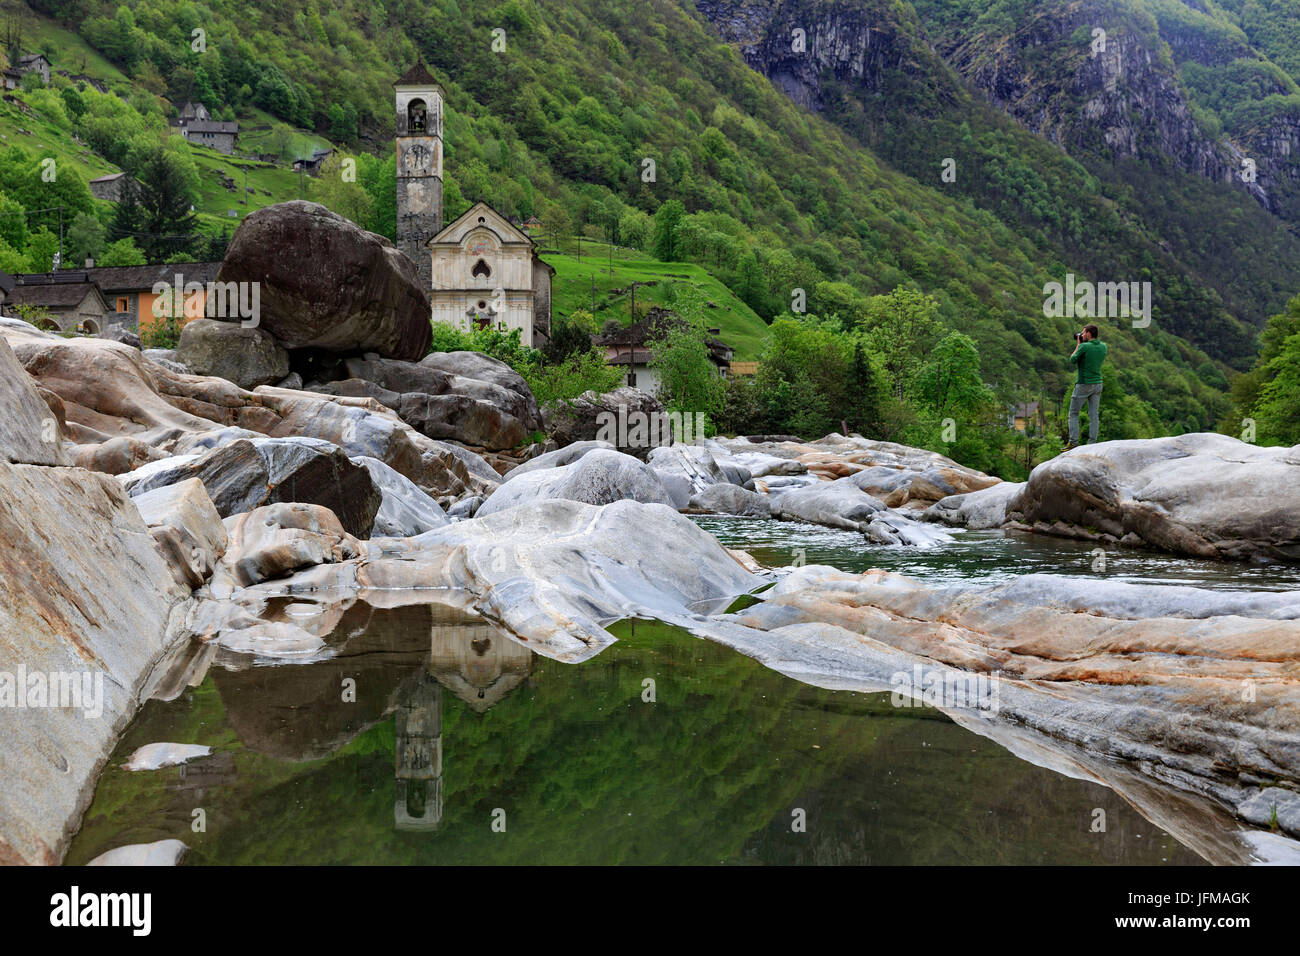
[
  {"x": 87, "y": 327},
  {"x": 481, "y": 270},
  {"x": 417, "y": 116}
]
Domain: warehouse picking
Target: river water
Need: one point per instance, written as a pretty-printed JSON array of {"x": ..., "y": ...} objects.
[{"x": 432, "y": 737}]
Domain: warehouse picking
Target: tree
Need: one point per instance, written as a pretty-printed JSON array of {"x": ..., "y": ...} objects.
[
  {"x": 664, "y": 244},
  {"x": 689, "y": 381},
  {"x": 347, "y": 197},
  {"x": 902, "y": 327},
  {"x": 569, "y": 336},
  {"x": 122, "y": 253},
  {"x": 41, "y": 248},
  {"x": 866, "y": 390},
  {"x": 85, "y": 239},
  {"x": 13, "y": 222},
  {"x": 948, "y": 385},
  {"x": 750, "y": 286},
  {"x": 160, "y": 204}
]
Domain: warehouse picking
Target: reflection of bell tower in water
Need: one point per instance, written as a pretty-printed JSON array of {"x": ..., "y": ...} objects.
[
  {"x": 419, "y": 166},
  {"x": 480, "y": 665}
]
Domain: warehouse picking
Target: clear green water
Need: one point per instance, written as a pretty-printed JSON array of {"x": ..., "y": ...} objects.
[
  {"x": 461, "y": 746},
  {"x": 987, "y": 557},
  {"x": 579, "y": 767}
]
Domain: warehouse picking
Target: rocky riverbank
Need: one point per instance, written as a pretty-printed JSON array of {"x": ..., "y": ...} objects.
[{"x": 149, "y": 516}]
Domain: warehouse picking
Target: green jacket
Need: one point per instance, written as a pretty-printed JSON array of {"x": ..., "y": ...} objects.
[{"x": 1089, "y": 356}]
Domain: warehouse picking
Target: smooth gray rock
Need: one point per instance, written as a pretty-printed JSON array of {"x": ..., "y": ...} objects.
[
  {"x": 1206, "y": 495},
  {"x": 976, "y": 510},
  {"x": 29, "y": 432},
  {"x": 728, "y": 499},
  {"x": 249, "y": 357},
  {"x": 86, "y": 594},
  {"x": 116, "y": 333},
  {"x": 484, "y": 368},
  {"x": 835, "y": 504},
  {"x": 405, "y": 510},
  {"x": 553, "y": 459},
  {"x": 161, "y": 853},
  {"x": 892, "y": 528},
  {"x": 465, "y": 508},
  {"x": 168, "y": 360},
  {"x": 187, "y": 528},
  {"x": 599, "y": 477},
  {"x": 246, "y": 474},
  {"x": 692, "y": 463},
  {"x": 159, "y": 755}
]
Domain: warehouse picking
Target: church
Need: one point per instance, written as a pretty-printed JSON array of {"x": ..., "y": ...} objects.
[{"x": 480, "y": 270}]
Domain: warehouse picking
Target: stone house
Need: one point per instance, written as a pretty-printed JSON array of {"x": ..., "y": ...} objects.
[
  {"x": 35, "y": 63},
  {"x": 108, "y": 187},
  {"x": 627, "y": 346},
  {"x": 129, "y": 290},
  {"x": 74, "y": 303},
  {"x": 112, "y": 296},
  {"x": 218, "y": 136}
]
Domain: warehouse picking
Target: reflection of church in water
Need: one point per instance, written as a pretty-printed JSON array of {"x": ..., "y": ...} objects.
[{"x": 478, "y": 664}]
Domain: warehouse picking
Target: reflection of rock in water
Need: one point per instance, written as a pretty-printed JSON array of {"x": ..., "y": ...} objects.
[{"x": 478, "y": 663}]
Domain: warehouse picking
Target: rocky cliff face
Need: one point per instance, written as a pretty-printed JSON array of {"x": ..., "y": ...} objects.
[
  {"x": 799, "y": 45},
  {"x": 1123, "y": 101}
]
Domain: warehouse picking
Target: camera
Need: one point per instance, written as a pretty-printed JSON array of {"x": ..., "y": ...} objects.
[{"x": 1078, "y": 336}]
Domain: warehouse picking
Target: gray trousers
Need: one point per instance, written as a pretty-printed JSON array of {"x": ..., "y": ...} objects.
[{"x": 1092, "y": 395}]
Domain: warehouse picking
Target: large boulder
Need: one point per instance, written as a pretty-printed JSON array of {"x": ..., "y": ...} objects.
[
  {"x": 728, "y": 499},
  {"x": 326, "y": 283},
  {"x": 247, "y": 474},
  {"x": 484, "y": 368},
  {"x": 976, "y": 510},
  {"x": 598, "y": 478},
  {"x": 1206, "y": 495},
  {"x": 405, "y": 510},
  {"x": 87, "y": 603},
  {"x": 835, "y": 504},
  {"x": 632, "y": 420},
  {"x": 247, "y": 356},
  {"x": 30, "y": 433},
  {"x": 187, "y": 528}
]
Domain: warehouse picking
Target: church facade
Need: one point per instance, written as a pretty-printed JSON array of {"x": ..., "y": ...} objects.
[{"x": 480, "y": 270}]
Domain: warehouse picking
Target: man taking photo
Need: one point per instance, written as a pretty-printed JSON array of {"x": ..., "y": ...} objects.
[{"x": 1088, "y": 355}]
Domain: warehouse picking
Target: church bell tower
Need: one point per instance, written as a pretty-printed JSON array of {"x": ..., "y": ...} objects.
[{"x": 419, "y": 166}]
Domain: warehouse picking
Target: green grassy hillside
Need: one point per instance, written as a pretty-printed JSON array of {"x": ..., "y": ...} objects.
[{"x": 779, "y": 202}]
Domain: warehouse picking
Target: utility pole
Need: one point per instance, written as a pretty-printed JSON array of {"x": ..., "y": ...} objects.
[
  {"x": 593, "y": 295},
  {"x": 60, "y": 234}
]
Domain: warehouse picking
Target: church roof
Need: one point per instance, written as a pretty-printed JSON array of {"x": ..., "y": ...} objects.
[
  {"x": 454, "y": 231},
  {"x": 417, "y": 75}
]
